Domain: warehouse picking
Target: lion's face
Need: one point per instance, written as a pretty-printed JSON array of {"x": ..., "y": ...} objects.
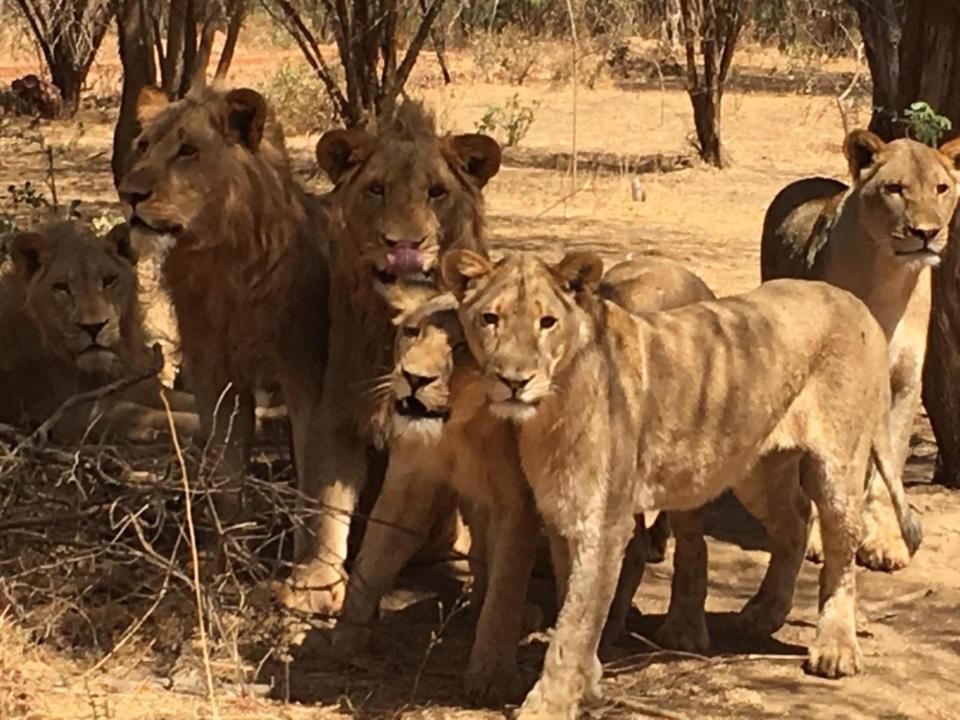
[
  {"x": 188, "y": 161},
  {"x": 80, "y": 292},
  {"x": 406, "y": 196},
  {"x": 428, "y": 335},
  {"x": 908, "y": 193},
  {"x": 522, "y": 322}
]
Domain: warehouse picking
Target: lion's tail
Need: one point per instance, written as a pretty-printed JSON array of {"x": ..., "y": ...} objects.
[{"x": 910, "y": 527}]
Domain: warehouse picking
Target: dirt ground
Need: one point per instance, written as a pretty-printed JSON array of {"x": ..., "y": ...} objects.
[{"x": 708, "y": 219}]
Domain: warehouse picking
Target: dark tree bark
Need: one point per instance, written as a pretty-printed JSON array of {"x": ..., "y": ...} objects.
[
  {"x": 881, "y": 27},
  {"x": 929, "y": 62},
  {"x": 715, "y": 25},
  {"x": 136, "y": 55},
  {"x": 69, "y": 35}
]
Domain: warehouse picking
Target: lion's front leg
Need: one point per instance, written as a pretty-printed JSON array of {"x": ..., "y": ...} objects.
[
  {"x": 491, "y": 675},
  {"x": 685, "y": 627},
  {"x": 571, "y": 669},
  {"x": 883, "y": 547}
]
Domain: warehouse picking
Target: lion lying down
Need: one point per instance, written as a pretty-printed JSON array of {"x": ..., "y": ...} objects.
[
  {"x": 619, "y": 413},
  {"x": 442, "y": 435},
  {"x": 70, "y": 322}
]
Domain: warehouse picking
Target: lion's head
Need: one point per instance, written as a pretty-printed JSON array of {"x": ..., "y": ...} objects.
[
  {"x": 211, "y": 158},
  {"x": 428, "y": 335},
  {"x": 405, "y": 194},
  {"x": 907, "y": 192},
  {"x": 523, "y": 321},
  {"x": 81, "y": 294}
]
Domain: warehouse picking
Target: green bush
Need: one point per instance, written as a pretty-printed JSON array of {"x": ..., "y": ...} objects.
[
  {"x": 924, "y": 124},
  {"x": 299, "y": 99},
  {"x": 508, "y": 123}
]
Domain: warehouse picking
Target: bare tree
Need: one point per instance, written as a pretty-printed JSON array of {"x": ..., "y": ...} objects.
[
  {"x": 68, "y": 33},
  {"x": 366, "y": 35},
  {"x": 881, "y": 26},
  {"x": 714, "y": 25}
]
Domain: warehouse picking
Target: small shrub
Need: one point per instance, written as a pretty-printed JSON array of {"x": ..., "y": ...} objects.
[
  {"x": 508, "y": 123},
  {"x": 924, "y": 124},
  {"x": 511, "y": 55},
  {"x": 300, "y": 99}
]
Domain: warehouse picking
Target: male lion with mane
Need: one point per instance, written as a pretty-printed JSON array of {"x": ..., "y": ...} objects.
[
  {"x": 878, "y": 239},
  {"x": 70, "y": 322},
  {"x": 621, "y": 413},
  {"x": 403, "y": 196},
  {"x": 210, "y": 188}
]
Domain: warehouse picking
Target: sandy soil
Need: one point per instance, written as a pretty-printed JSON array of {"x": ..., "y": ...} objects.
[{"x": 705, "y": 218}]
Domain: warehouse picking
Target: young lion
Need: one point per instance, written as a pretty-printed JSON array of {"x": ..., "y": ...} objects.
[
  {"x": 619, "y": 413},
  {"x": 70, "y": 322},
  {"x": 878, "y": 239},
  {"x": 442, "y": 434}
]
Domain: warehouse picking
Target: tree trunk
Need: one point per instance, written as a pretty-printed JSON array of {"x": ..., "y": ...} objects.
[
  {"x": 881, "y": 29},
  {"x": 136, "y": 54},
  {"x": 69, "y": 81},
  {"x": 930, "y": 59},
  {"x": 706, "y": 119}
]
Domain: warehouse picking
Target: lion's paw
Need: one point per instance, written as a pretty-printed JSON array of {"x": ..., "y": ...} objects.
[
  {"x": 883, "y": 547},
  {"x": 541, "y": 705},
  {"x": 492, "y": 686},
  {"x": 349, "y": 637},
  {"x": 688, "y": 634},
  {"x": 321, "y": 593},
  {"x": 834, "y": 656},
  {"x": 761, "y": 617}
]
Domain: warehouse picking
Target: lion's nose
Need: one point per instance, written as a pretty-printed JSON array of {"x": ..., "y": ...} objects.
[
  {"x": 417, "y": 381},
  {"x": 132, "y": 197},
  {"x": 401, "y": 241},
  {"x": 516, "y": 384},
  {"x": 92, "y": 329},
  {"x": 924, "y": 232}
]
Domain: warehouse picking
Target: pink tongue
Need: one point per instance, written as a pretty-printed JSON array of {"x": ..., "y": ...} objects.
[{"x": 403, "y": 260}]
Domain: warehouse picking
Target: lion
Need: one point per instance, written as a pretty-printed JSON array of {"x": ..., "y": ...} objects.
[
  {"x": 619, "y": 413},
  {"x": 210, "y": 190},
  {"x": 70, "y": 322},
  {"x": 402, "y": 197},
  {"x": 441, "y": 435},
  {"x": 878, "y": 239}
]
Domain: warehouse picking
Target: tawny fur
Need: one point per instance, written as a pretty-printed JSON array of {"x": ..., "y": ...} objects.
[
  {"x": 70, "y": 322},
  {"x": 620, "y": 413},
  {"x": 405, "y": 186},
  {"x": 442, "y": 435},
  {"x": 902, "y": 198},
  {"x": 210, "y": 186}
]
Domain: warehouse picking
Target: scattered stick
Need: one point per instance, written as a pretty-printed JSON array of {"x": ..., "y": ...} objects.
[
  {"x": 41, "y": 435},
  {"x": 195, "y": 557}
]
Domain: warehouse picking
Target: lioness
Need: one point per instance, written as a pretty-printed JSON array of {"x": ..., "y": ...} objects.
[
  {"x": 441, "y": 433},
  {"x": 210, "y": 188},
  {"x": 70, "y": 322},
  {"x": 401, "y": 198},
  {"x": 620, "y": 413},
  {"x": 878, "y": 239}
]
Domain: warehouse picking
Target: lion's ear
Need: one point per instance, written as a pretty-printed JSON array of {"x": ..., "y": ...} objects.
[
  {"x": 245, "y": 115},
  {"x": 861, "y": 148},
  {"x": 340, "y": 150},
  {"x": 478, "y": 155},
  {"x": 118, "y": 241},
  {"x": 579, "y": 271},
  {"x": 951, "y": 150},
  {"x": 460, "y": 268},
  {"x": 150, "y": 103},
  {"x": 30, "y": 252}
]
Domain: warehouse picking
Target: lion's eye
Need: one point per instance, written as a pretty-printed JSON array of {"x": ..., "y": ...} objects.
[
  {"x": 142, "y": 145},
  {"x": 893, "y": 189},
  {"x": 375, "y": 189},
  {"x": 109, "y": 281},
  {"x": 547, "y": 322},
  {"x": 411, "y": 331},
  {"x": 187, "y": 151},
  {"x": 490, "y": 318},
  {"x": 61, "y": 287},
  {"x": 437, "y": 191},
  {"x": 942, "y": 188}
]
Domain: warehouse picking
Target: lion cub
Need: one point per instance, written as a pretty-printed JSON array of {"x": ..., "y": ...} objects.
[{"x": 620, "y": 413}]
